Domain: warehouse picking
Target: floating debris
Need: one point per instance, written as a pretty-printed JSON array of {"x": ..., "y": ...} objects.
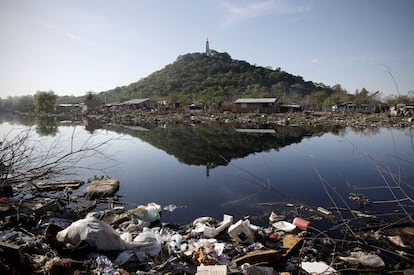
[
  {"x": 360, "y": 198},
  {"x": 170, "y": 207}
]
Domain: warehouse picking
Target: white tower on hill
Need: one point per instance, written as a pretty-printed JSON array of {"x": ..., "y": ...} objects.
[{"x": 207, "y": 47}]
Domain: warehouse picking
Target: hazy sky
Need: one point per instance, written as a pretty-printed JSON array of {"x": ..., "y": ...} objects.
[{"x": 75, "y": 46}]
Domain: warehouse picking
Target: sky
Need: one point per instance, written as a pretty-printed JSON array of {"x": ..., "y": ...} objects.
[{"x": 75, "y": 46}]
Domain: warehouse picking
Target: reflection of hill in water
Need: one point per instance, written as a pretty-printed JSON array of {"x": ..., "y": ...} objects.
[{"x": 215, "y": 145}]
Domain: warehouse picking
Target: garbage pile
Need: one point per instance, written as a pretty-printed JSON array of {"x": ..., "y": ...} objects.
[{"x": 45, "y": 237}]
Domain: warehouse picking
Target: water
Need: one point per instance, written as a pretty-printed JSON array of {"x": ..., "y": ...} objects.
[{"x": 216, "y": 170}]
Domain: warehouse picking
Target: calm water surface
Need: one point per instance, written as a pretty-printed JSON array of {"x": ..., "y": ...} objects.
[{"x": 216, "y": 170}]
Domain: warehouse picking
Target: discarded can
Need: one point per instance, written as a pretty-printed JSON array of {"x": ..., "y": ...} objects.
[{"x": 301, "y": 223}]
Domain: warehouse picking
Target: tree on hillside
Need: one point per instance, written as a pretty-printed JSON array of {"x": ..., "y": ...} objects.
[
  {"x": 44, "y": 102},
  {"x": 340, "y": 97},
  {"x": 360, "y": 96},
  {"x": 178, "y": 98},
  {"x": 318, "y": 98},
  {"x": 338, "y": 88},
  {"x": 69, "y": 99},
  {"x": 90, "y": 95}
]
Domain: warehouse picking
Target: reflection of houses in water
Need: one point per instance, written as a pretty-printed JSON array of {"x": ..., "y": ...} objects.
[
  {"x": 136, "y": 128},
  {"x": 259, "y": 131},
  {"x": 255, "y": 105}
]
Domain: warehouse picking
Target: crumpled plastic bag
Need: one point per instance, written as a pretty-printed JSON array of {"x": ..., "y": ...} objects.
[
  {"x": 150, "y": 236},
  {"x": 97, "y": 234},
  {"x": 366, "y": 259},
  {"x": 149, "y": 213},
  {"x": 104, "y": 265}
]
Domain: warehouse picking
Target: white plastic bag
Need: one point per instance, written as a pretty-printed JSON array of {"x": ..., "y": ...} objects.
[
  {"x": 149, "y": 213},
  {"x": 99, "y": 235},
  {"x": 152, "y": 237},
  {"x": 96, "y": 233},
  {"x": 137, "y": 251}
]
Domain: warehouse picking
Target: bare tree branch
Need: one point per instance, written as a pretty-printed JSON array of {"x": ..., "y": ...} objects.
[{"x": 23, "y": 159}]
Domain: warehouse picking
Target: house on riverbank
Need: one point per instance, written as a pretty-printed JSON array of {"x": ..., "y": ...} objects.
[
  {"x": 255, "y": 105},
  {"x": 72, "y": 110},
  {"x": 141, "y": 104},
  {"x": 196, "y": 109},
  {"x": 290, "y": 108},
  {"x": 144, "y": 104}
]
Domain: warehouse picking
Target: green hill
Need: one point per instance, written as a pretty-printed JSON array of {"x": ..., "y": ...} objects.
[{"x": 215, "y": 77}]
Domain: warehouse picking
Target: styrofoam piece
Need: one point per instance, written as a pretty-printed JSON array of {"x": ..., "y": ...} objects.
[
  {"x": 211, "y": 270},
  {"x": 317, "y": 268},
  {"x": 210, "y": 232},
  {"x": 284, "y": 226},
  {"x": 241, "y": 232}
]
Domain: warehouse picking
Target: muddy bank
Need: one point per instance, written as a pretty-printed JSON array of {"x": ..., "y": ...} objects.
[{"x": 53, "y": 231}]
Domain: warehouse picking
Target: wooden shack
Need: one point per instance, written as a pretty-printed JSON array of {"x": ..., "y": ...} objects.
[
  {"x": 139, "y": 103},
  {"x": 255, "y": 105}
]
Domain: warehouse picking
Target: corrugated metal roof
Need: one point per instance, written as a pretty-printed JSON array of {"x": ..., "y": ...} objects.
[
  {"x": 135, "y": 101},
  {"x": 256, "y": 100}
]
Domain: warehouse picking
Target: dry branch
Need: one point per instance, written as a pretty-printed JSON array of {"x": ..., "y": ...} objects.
[{"x": 24, "y": 159}]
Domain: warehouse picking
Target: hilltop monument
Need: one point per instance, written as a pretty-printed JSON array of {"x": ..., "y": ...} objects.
[{"x": 208, "y": 52}]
